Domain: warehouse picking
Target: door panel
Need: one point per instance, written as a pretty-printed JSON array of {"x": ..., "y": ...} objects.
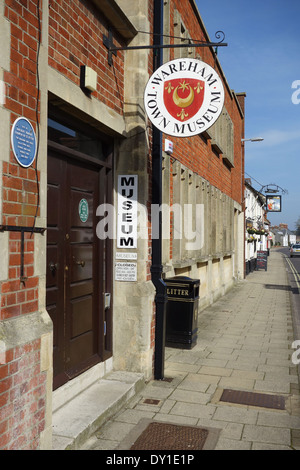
[
  {"x": 83, "y": 271},
  {"x": 82, "y": 319},
  {"x": 74, "y": 274},
  {"x": 79, "y": 351},
  {"x": 81, "y": 288}
]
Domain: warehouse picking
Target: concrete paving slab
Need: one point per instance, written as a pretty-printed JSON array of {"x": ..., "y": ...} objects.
[
  {"x": 267, "y": 434},
  {"x": 236, "y": 414}
]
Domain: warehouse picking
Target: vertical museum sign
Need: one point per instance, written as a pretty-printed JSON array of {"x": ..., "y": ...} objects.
[{"x": 127, "y": 211}]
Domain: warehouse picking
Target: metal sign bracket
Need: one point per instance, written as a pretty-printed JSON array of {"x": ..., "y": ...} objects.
[
  {"x": 13, "y": 228},
  {"x": 112, "y": 49}
]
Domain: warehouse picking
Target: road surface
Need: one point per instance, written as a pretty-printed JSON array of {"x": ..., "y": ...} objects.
[{"x": 293, "y": 272}]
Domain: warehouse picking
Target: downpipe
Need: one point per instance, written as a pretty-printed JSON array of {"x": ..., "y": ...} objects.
[{"x": 156, "y": 267}]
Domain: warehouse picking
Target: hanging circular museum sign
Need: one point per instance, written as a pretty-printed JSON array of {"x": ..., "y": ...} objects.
[
  {"x": 23, "y": 142},
  {"x": 184, "y": 97}
]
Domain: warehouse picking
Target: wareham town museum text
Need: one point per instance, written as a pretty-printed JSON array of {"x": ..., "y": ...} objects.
[{"x": 184, "y": 97}]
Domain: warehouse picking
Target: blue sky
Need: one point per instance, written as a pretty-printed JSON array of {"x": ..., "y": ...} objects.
[{"x": 263, "y": 59}]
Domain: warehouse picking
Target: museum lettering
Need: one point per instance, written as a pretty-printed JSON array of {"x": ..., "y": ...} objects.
[
  {"x": 179, "y": 128},
  {"x": 192, "y": 67}
]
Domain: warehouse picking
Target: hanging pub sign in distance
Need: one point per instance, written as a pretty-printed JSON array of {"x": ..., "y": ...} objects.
[
  {"x": 273, "y": 203},
  {"x": 184, "y": 97}
]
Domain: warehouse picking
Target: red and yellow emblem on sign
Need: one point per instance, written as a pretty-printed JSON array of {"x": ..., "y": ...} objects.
[{"x": 183, "y": 97}]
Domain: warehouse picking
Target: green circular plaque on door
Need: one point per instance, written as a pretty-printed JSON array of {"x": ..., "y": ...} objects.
[{"x": 83, "y": 210}]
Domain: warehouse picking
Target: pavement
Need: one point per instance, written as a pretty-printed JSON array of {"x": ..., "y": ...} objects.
[{"x": 244, "y": 344}]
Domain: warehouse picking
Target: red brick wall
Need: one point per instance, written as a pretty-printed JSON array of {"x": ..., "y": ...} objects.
[
  {"x": 19, "y": 185},
  {"x": 22, "y": 385},
  {"x": 76, "y": 38},
  {"x": 22, "y": 403}
]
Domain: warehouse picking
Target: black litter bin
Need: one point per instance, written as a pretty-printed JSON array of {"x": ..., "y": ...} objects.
[{"x": 182, "y": 312}]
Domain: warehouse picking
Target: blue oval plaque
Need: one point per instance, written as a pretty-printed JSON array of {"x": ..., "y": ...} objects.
[{"x": 23, "y": 142}]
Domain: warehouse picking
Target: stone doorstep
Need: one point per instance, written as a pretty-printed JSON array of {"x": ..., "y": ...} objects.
[{"x": 78, "y": 419}]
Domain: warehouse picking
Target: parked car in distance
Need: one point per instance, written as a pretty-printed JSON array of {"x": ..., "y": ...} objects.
[{"x": 295, "y": 250}]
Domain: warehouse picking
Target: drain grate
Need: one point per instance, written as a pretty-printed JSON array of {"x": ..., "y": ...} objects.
[
  {"x": 263, "y": 400},
  {"x": 164, "y": 436},
  {"x": 151, "y": 401}
]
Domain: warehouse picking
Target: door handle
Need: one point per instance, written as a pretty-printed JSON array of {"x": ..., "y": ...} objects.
[
  {"x": 53, "y": 266},
  {"x": 80, "y": 263}
]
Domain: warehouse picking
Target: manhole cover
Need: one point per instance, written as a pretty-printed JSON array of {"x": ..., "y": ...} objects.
[
  {"x": 163, "y": 436},
  {"x": 264, "y": 400}
]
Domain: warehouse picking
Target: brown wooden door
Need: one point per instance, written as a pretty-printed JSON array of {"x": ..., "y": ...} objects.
[{"x": 75, "y": 281}]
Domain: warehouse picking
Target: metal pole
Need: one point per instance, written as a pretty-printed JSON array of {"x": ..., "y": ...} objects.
[
  {"x": 168, "y": 46},
  {"x": 157, "y": 268}
]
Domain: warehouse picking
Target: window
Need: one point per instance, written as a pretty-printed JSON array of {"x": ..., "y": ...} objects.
[
  {"x": 67, "y": 135},
  {"x": 182, "y": 37},
  {"x": 222, "y": 138}
]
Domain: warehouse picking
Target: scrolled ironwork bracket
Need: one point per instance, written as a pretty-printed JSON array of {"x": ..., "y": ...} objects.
[{"x": 112, "y": 50}]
